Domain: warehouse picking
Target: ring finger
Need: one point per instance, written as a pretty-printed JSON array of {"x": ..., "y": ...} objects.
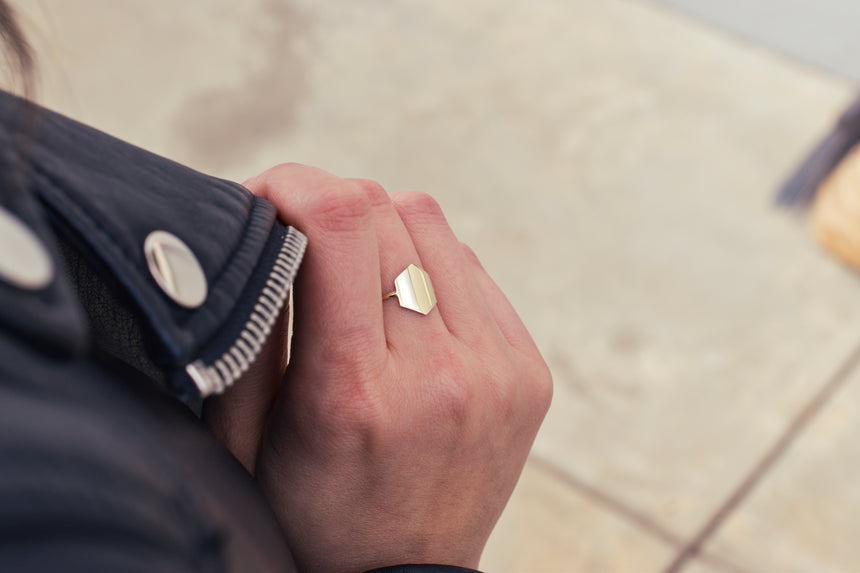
[{"x": 396, "y": 252}]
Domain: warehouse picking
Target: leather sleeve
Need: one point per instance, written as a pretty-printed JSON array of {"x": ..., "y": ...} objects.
[
  {"x": 101, "y": 471},
  {"x": 103, "y": 198}
]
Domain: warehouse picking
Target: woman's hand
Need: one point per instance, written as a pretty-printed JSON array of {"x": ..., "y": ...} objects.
[{"x": 395, "y": 437}]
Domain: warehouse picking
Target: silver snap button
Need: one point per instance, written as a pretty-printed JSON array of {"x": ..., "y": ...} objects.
[
  {"x": 175, "y": 268},
  {"x": 24, "y": 260}
]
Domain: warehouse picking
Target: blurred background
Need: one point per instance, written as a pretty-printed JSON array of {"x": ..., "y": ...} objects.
[{"x": 613, "y": 163}]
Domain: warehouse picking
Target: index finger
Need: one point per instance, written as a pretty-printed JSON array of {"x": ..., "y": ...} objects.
[{"x": 339, "y": 283}]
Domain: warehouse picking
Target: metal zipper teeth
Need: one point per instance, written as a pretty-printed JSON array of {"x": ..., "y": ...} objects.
[{"x": 216, "y": 377}]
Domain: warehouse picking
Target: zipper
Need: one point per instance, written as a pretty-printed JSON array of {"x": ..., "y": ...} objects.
[{"x": 221, "y": 373}]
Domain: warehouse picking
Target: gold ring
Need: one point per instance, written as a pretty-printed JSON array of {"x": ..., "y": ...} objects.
[{"x": 414, "y": 290}]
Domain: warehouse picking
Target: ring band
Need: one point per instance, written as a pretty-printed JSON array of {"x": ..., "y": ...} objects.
[{"x": 414, "y": 290}]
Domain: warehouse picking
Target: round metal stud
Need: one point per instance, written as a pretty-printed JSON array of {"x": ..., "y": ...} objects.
[
  {"x": 175, "y": 268},
  {"x": 24, "y": 260}
]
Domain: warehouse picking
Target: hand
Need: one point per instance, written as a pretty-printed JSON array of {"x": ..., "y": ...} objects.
[{"x": 395, "y": 437}]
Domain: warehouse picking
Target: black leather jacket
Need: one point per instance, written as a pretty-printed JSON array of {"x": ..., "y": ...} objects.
[{"x": 103, "y": 464}]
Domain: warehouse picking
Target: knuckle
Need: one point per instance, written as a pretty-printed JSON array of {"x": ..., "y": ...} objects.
[
  {"x": 358, "y": 410},
  {"x": 470, "y": 254},
  {"x": 542, "y": 386},
  {"x": 419, "y": 205},
  {"x": 454, "y": 401},
  {"x": 453, "y": 385},
  {"x": 340, "y": 207},
  {"x": 279, "y": 182},
  {"x": 355, "y": 410},
  {"x": 521, "y": 387},
  {"x": 280, "y": 173},
  {"x": 376, "y": 193},
  {"x": 504, "y": 383},
  {"x": 288, "y": 166}
]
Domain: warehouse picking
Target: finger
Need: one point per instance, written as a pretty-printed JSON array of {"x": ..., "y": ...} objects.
[
  {"x": 460, "y": 300},
  {"x": 338, "y": 286},
  {"x": 507, "y": 319},
  {"x": 396, "y": 252}
]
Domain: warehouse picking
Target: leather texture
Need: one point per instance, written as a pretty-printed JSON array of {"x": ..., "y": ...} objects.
[
  {"x": 104, "y": 198},
  {"x": 100, "y": 468},
  {"x": 101, "y": 471}
]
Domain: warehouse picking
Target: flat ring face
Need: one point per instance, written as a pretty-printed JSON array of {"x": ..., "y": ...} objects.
[
  {"x": 175, "y": 268},
  {"x": 414, "y": 290},
  {"x": 24, "y": 260}
]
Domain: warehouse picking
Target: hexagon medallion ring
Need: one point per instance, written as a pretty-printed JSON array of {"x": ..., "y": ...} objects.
[{"x": 414, "y": 290}]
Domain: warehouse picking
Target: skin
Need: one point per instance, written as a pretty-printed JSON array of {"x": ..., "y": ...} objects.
[{"x": 393, "y": 437}]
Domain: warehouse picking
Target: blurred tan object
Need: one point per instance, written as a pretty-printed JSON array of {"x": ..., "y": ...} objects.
[{"x": 836, "y": 210}]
